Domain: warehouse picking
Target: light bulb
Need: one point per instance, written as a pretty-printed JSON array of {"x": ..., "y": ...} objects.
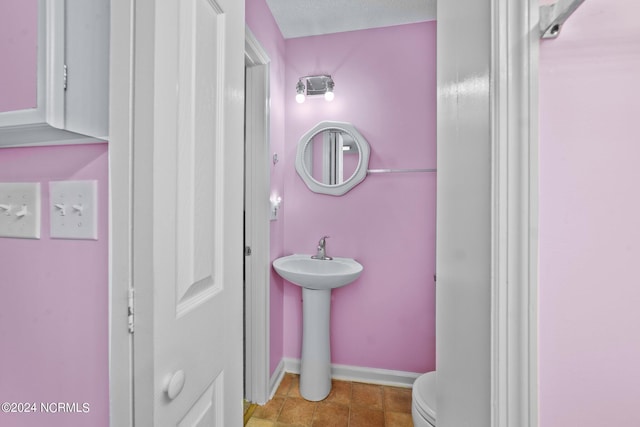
[
  {"x": 300, "y": 98},
  {"x": 329, "y": 96}
]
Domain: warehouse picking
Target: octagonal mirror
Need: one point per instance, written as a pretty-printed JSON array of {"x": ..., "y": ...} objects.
[{"x": 332, "y": 158}]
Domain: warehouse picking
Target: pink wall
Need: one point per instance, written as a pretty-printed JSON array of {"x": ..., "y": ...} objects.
[
  {"x": 54, "y": 304},
  {"x": 385, "y": 86},
  {"x": 18, "y": 48},
  {"x": 590, "y": 219},
  {"x": 264, "y": 28}
]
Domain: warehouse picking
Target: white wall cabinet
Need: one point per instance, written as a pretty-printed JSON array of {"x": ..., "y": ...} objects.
[{"x": 73, "y": 78}]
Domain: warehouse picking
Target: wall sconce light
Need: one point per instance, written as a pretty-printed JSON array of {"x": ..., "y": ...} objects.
[
  {"x": 315, "y": 86},
  {"x": 275, "y": 205}
]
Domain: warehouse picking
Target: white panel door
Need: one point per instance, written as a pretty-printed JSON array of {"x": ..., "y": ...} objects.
[{"x": 187, "y": 215}]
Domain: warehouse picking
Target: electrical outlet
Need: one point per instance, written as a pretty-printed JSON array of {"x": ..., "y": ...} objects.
[
  {"x": 73, "y": 210},
  {"x": 20, "y": 210}
]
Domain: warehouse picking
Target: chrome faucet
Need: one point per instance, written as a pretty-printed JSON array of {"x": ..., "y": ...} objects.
[{"x": 322, "y": 253}]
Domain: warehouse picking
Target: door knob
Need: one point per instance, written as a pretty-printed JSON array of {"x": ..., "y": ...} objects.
[{"x": 174, "y": 384}]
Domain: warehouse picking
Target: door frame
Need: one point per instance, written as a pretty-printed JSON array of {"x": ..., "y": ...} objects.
[
  {"x": 121, "y": 122},
  {"x": 257, "y": 188},
  {"x": 522, "y": 373},
  {"x": 491, "y": 86},
  {"x": 514, "y": 285}
]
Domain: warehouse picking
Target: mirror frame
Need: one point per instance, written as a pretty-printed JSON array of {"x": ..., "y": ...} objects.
[{"x": 363, "y": 162}]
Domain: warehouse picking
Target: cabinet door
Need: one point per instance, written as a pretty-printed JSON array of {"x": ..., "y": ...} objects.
[
  {"x": 87, "y": 66},
  {"x": 60, "y": 48}
]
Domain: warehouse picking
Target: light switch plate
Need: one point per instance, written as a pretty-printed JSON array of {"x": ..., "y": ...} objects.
[
  {"x": 20, "y": 210},
  {"x": 73, "y": 207}
]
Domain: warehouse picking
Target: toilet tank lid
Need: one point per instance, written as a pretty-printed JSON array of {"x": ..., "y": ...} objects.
[{"x": 424, "y": 393}]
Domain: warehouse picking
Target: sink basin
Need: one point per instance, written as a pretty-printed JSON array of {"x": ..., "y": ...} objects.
[{"x": 302, "y": 270}]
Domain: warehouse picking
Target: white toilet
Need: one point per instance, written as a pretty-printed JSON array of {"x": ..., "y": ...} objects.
[{"x": 423, "y": 405}]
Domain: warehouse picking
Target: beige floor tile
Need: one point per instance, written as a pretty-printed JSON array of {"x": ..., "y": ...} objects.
[
  {"x": 297, "y": 411},
  {"x": 349, "y": 404},
  {"x": 279, "y": 424},
  {"x": 331, "y": 415},
  {"x": 257, "y": 422},
  {"x": 294, "y": 391},
  {"x": 361, "y": 416},
  {"x": 397, "y": 419},
  {"x": 270, "y": 410},
  {"x": 285, "y": 385},
  {"x": 397, "y": 399},
  {"x": 368, "y": 395},
  {"x": 340, "y": 393}
]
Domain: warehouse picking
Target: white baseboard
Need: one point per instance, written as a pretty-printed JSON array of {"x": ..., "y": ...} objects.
[
  {"x": 276, "y": 378},
  {"x": 356, "y": 373}
]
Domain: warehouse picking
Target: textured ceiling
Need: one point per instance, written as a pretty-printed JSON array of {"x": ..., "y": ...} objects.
[{"x": 300, "y": 18}]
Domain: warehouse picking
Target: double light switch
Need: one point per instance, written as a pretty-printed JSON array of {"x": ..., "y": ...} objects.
[{"x": 72, "y": 210}]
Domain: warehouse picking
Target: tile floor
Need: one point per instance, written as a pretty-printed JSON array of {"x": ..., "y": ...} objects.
[{"x": 349, "y": 404}]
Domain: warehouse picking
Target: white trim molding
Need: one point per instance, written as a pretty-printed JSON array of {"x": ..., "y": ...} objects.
[
  {"x": 121, "y": 86},
  {"x": 514, "y": 107},
  {"x": 361, "y": 375},
  {"x": 486, "y": 291},
  {"x": 257, "y": 187},
  {"x": 276, "y": 378}
]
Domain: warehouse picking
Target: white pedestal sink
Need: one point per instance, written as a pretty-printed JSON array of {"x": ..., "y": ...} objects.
[{"x": 317, "y": 278}]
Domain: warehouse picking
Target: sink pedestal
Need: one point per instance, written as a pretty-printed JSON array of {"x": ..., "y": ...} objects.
[
  {"x": 316, "y": 277},
  {"x": 315, "y": 365}
]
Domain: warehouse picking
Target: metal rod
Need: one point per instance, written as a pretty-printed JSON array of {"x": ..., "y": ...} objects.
[
  {"x": 553, "y": 16},
  {"x": 399, "y": 170}
]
